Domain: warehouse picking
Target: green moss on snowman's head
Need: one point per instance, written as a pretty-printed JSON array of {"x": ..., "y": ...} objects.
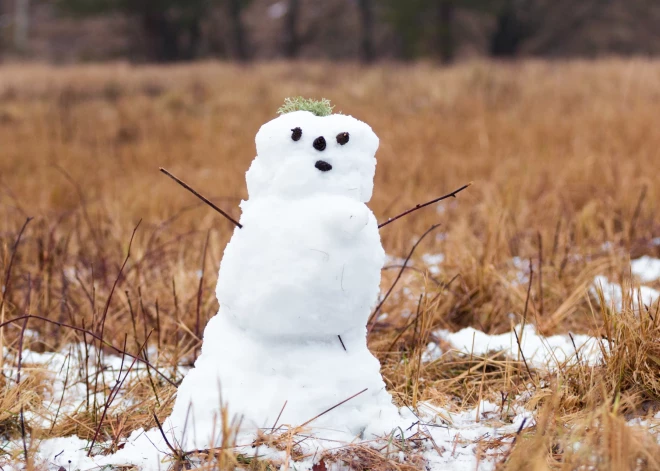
[{"x": 320, "y": 107}]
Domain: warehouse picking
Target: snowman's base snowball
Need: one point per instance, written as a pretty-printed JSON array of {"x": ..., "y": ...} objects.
[
  {"x": 147, "y": 450},
  {"x": 255, "y": 378}
]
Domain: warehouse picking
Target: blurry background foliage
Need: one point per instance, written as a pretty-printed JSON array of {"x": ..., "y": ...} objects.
[{"x": 367, "y": 30}]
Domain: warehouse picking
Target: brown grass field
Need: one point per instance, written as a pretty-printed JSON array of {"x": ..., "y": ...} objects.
[{"x": 565, "y": 160}]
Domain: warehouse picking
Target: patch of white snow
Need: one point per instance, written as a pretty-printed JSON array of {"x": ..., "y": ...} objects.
[
  {"x": 646, "y": 268},
  {"x": 613, "y": 294},
  {"x": 539, "y": 351}
]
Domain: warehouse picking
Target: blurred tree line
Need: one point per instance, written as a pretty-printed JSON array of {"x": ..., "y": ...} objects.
[
  {"x": 179, "y": 30},
  {"x": 519, "y": 24}
]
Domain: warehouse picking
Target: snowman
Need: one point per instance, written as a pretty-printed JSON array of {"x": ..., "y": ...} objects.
[
  {"x": 287, "y": 350},
  {"x": 296, "y": 286}
]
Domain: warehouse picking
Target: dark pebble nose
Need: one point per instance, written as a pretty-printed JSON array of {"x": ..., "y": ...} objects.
[
  {"x": 319, "y": 143},
  {"x": 323, "y": 166}
]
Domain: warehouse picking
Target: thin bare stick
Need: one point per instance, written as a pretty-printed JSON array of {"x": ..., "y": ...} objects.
[
  {"x": 531, "y": 378},
  {"x": 279, "y": 415},
  {"x": 114, "y": 285},
  {"x": 109, "y": 400},
  {"x": 528, "y": 297},
  {"x": 151, "y": 380},
  {"x": 423, "y": 272},
  {"x": 540, "y": 239},
  {"x": 555, "y": 242},
  {"x": 158, "y": 323},
  {"x": 199, "y": 291},
  {"x": 398, "y": 277},
  {"x": 422, "y": 205},
  {"x": 204, "y": 199},
  {"x": 522, "y": 327},
  {"x": 18, "y": 383},
  {"x": 333, "y": 407},
  {"x": 513, "y": 442},
  {"x": 577, "y": 352},
  {"x": 145, "y": 355},
  {"x": 635, "y": 216},
  {"x": 66, "y": 381},
  {"x": 101, "y": 323},
  {"x": 7, "y": 282},
  {"x": 167, "y": 442},
  {"x": 342, "y": 342},
  {"x": 414, "y": 321},
  {"x": 115, "y": 390}
]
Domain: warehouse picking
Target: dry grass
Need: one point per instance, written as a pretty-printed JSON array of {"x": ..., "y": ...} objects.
[{"x": 564, "y": 157}]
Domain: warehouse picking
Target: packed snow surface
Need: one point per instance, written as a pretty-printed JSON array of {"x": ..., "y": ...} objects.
[
  {"x": 539, "y": 351},
  {"x": 646, "y": 268},
  {"x": 433, "y": 262},
  {"x": 613, "y": 294},
  {"x": 450, "y": 438},
  {"x": 450, "y": 442}
]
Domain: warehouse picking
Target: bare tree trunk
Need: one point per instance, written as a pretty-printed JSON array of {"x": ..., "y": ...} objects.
[
  {"x": 2, "y": 44},
  {"x": 163, "y": 37},
  {"x": 508, "y": 36},
  {"x": 237, "y": 29},
  {"x": 21, "y": 24},
  {"x": 446, "y": 42},
  {"x": 566, "y": 18},
  {"x": 194, "y": 30},
  {"x": 541, "y": 27},
  {"x": 366, "y": 39},
  {"x": 291, "y": 38}
]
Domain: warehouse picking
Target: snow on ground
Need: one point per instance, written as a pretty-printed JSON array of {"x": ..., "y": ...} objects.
[
  {"x": 455, "y": 436},
  {"x": 651, "y": 423},
  {"x": 450, "y": 439},
  {"x": 613, "y": 293},
  {"x": 521, "y": 270},
  {"x": 394, "y": 260},
  {"x": 646, "y": 268},
  {"x": 548, "y": 352},
  {"x": 67, "y": 390},
  {"x": 66, "y": 369},
  {"x": 433, "y": 262},
  {"x": 430, "y": 261},
  {"x": 539, "y": 351}
]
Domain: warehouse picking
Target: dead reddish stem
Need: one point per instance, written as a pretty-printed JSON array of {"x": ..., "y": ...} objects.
[
  {"x": 204, "y": 199},
  {"x": 422, "y": 205},
  {"x": 370, "y": 324}
]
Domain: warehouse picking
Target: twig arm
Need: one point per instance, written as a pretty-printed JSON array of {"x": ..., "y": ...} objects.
[
  {"x": 204, "y": 199},
  {"x": 422, "y": 205}
]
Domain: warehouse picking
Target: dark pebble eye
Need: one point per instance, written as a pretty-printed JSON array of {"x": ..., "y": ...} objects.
[
  {"x": 296, "y": 134},
  {"x": 319, "y": 143},
  {"x": 342, "y": 138}
]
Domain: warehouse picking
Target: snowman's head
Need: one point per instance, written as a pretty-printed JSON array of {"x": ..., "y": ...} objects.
[{"x": 300, "y": 154}]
